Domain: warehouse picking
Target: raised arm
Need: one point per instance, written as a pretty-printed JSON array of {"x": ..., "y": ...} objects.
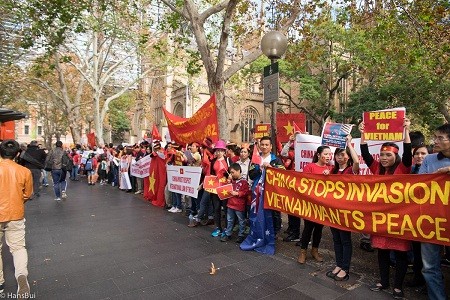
[
  {"x": 354, "y": 155},
  {"x": 407, "y": 151},
  {"x": 368, "y": 159}
]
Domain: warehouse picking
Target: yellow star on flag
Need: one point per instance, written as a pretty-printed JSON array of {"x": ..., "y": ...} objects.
[
  {"x": 152, "y": 182},
  {"x": 211, "y": 182},
  {"x": 289, "y": 128},
  {"x": 225, "y": 192}
]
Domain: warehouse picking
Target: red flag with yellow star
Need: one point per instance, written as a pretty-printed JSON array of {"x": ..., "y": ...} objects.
[
  {"x": 210, "y": 183},
  {"x": 285, "y": 125},
  {"x": 224, "y": 191},
  {"x": 154, "y": 184}
]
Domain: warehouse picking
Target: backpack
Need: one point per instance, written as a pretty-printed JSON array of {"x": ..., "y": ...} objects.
[
  {"x": 66, "y": 162},
  {"x": 103, "y": 165},
  {"x": 88, "y": 165}
]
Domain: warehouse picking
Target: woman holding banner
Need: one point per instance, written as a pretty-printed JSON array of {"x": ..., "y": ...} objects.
[
  {"x": 390, "y": 163},
  {"x": 345, "y": 162},
  {"x": 319, "y": 165}
]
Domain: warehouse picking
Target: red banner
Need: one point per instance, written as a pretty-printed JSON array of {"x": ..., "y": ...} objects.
[
  {"x": 384, "y": 125},
  {"x": 91, "y": 139},
  {"x": 411, "y": 207},
  {"x": 201, "y": 125},
  {"x": 285, "y": 125}
]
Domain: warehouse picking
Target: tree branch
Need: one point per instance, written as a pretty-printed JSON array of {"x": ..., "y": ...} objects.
[
  {"x": 255, "y": 53},
  {"x": 175, "y": 9},
  {"x": 212, "y": 10}
]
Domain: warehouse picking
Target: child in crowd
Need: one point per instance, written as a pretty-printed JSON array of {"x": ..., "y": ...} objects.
[
  {"x": 236, "y": 204},
  {"x": 102, "y": 170},
  {"x": 91, "y": 167}
]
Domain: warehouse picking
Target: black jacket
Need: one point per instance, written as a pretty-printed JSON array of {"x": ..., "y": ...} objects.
[{"x": 33, "y": 158}]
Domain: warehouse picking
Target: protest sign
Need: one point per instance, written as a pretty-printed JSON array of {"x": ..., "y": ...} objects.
[
  {"x": 384, "y": 125},
  {"x": 306, "y": 145},
  {"x": 184, "y": 180},
  {"x": 141, "y": 168},
  {"x": 335, "y": 134},
  {"x": 261, "y": 130}
]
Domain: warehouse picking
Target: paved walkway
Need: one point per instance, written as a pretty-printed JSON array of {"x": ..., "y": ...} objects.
[{"x": 102, "y": 243}]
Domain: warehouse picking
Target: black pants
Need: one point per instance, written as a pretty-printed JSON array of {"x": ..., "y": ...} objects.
[
  {"x": 418, "y": 264},
  {"x": 294, "y": 225},
  {"x": 276, "y": 219},
  {"x": 401, "y": 265},
  {"x": 308, "y": 229}
]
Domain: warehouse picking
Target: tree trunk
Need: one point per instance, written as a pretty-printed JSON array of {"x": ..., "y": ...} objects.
[
  {"x": 217, "y": 87},
  {"x": 98, "y": 122}
]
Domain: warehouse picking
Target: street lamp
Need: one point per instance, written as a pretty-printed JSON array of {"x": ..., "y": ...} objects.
[{"x": 273, "y": 45}]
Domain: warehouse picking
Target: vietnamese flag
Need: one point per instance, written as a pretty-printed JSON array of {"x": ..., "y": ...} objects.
[
  {"x": 155, "y": 134},
  {"x": 256, "y": 157},
  {"x": 285, "y": 127},
  {"x": 211, "y": 182},
  {"x": 224, "y": 191},
  {"x": 157, "y": 181},
  {"x": 296, "y": 128}
]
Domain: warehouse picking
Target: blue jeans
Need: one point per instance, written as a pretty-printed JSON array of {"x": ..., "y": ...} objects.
[
  {"x": 74, "y": 172},
  {"x": 195, "y": 203},
  {"x": 342, "y": 240},
  {"x": 59, "y": 182},
  {"x": 431, "y": 258},
  {"x": 44, "y": 177},
  {"x": 231, "y": 213},
  {"x": 206, "y": 208},
  {"x": 176, "y": 200}
]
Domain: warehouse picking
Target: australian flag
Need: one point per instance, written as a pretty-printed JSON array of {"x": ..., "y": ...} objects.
[{"x": 262, "y": 236}]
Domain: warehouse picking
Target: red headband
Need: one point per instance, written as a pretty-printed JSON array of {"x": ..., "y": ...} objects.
[{"x": 389, "y": 148}]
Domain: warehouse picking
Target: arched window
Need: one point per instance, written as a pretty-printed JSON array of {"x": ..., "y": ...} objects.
[
  {"x": 178, "y": 110},
  {"x": 247, "y": 119}
]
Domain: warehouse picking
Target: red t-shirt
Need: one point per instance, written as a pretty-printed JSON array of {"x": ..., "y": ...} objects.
[{"x": 313, "y": 168}]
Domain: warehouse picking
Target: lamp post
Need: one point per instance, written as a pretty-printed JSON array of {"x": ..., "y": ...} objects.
[{"x": 273, "y": 45}]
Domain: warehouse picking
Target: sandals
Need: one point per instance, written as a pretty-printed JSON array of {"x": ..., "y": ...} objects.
[{"x": 377, "y": 287}]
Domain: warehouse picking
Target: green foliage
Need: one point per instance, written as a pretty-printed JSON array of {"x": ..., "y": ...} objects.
[{"x": 119, "y": 117}]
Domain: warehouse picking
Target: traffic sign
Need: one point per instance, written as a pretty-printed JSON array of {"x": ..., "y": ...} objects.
[{"x": 271, "y": 83}]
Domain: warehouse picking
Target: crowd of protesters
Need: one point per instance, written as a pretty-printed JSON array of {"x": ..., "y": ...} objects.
[{"x": 232, "y": 163}]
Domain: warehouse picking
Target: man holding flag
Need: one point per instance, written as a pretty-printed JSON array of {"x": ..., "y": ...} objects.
[{"x": 264, "y": 223}]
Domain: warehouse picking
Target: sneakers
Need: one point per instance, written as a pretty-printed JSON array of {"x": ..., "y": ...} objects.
[
  {"x": 172, "y": 209},
  {"x": 58, "y": 199},
  {"x": 216, "y": 232},
  {"x": 225, "y": 238},
  {"x": 398, "y": 294},
  {"x": 138, "y": 192},
  {"x": 292, "y": 238},
  {"x": 63, "y": 195},
  {"x": 176, "y": 210},
  {"x": 23, "y": 288}
]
